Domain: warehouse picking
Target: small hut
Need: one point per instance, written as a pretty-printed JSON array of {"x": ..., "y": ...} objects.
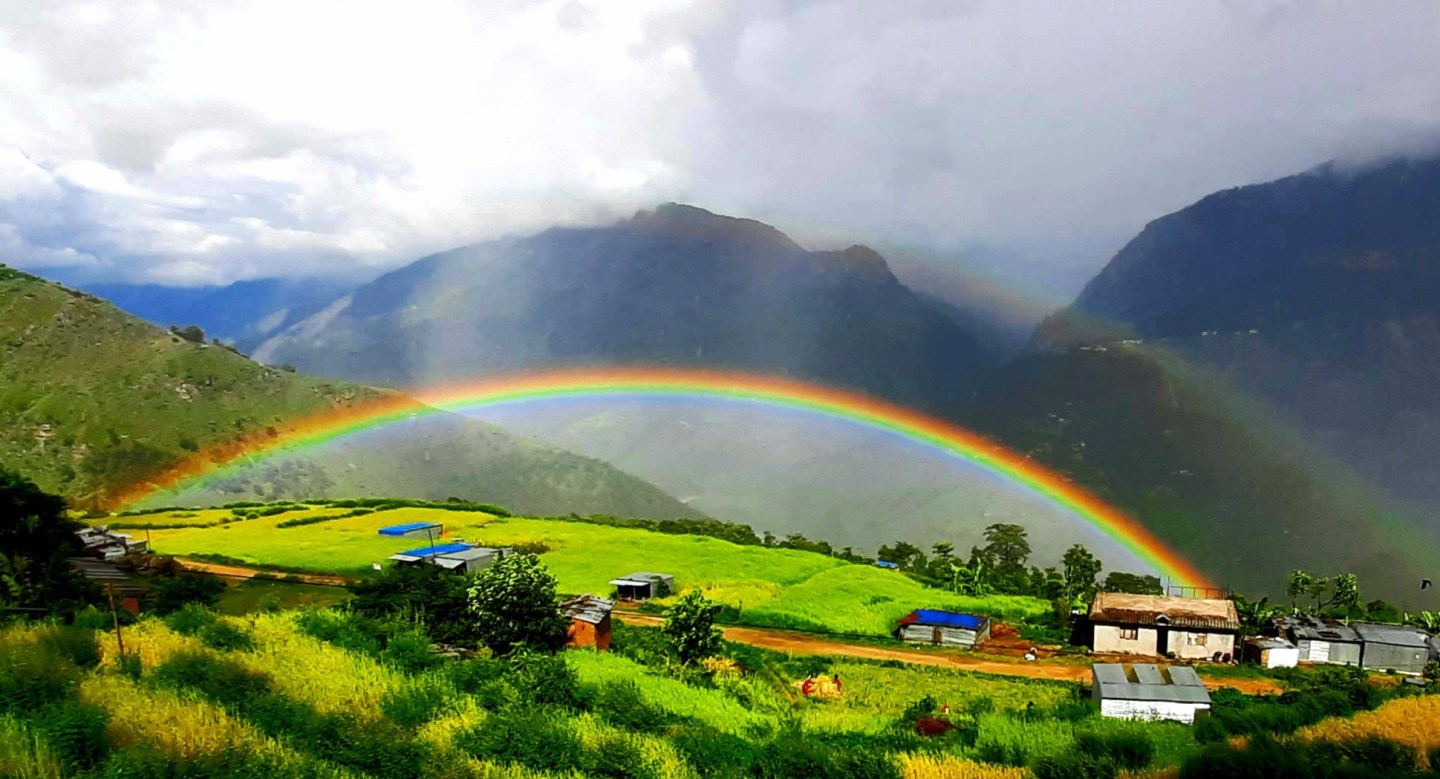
[
  {"x": 1271, "y": 652},
  {"x": 643, "y": 586},
  {"x": 1393, "y": 648},
  {"x": 1149, "y": 692},
  {"x": 929, "y": 626},
  {"x": 589, "y": 621}
]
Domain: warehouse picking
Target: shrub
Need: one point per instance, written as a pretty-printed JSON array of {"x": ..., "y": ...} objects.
[
  {"x": 532, "y": 737},
  {"x": 1131, "y": 750},
  {"x": 415, "y": 704},
  {"x": 173, "y": 592},
  {"x": 190, "y": 619},
  {"x": 75, "y": 644},
  {"x": 225, "y": 636},
  {"x": 546, "y": 680},
  {"x": 29, "y": 679},
  {"x": 1075, "y": 766},
  {"x": 621, "y": 704},
  {"x": 75, "y": 732},
  {"x": 409, "y": 653}
]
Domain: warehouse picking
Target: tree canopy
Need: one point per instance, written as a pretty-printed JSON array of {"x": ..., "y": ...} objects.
[
  {"x": 514, "y": 606},
  {"x": 690, "y": 627},
  {"x": 37, "y": 538}
]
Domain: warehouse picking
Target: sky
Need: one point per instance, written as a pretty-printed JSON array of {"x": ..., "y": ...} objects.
[{"x": 188, "y": 143}]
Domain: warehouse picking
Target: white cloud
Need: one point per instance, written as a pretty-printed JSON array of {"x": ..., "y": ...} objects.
[{"x": 259, "y": 137}]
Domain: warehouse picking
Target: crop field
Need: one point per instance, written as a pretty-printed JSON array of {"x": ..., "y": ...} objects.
[
  {"x": 769, "y": 587},
  {"x": 312, "y": 694}
]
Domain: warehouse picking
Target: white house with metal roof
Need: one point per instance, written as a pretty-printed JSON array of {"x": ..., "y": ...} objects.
[
  {"x": 1149, "y": 692},
  {"x": 643, "y": 585}
]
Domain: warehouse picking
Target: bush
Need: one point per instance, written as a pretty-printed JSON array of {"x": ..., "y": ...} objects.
[
  {"x": 31, "y": 679},
  {"x": 621, "y": 704},
  {"x": 1127, "y": 749},
  {"x": 410, "y": 653},
  {"x": 546, "y": 680},
  {"x": 532, "y": 737},
  {"x": 793, "y": 754},
  {"x": 226, "y": 637},
  {"x": 74, "y": 644},
  {"x": 1076, "y": 766},
  {"x": 414, "y": 704},
  {"x": 190, "y": 619},
  {"x": 172, "y": 593},
  {"x": 76, "y": 733}
]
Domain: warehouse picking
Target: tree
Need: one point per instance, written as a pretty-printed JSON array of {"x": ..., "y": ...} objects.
[
  {"x": 971, "y": 579},
  {"x": 37, "y": 538},
  {"x": 1338, "y": 592},
  {"x": 1134, "y": 583},
  {"x": 690, "y": 627},
  {"x": 434, "y": 596},
  {"x": 514, "y": 604},
  {"x": 1080, "y": 569},
  {"x": 174, "y": 592},
  {"x": 904, "y": 554},
  {"x": 1255, "y": 615},
  {"x": 190, "y": 333},
  {"x": 1007, "y": 551}
]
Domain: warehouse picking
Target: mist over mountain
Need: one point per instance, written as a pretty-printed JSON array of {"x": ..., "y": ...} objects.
[
  {"x": 1318, "y": 292},
  {"x": 243, "y": 314},
  {"x": 677, "y": 286}
]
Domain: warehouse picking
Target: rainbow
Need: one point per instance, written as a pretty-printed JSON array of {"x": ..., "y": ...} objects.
[{"x": 663, "y": 382}]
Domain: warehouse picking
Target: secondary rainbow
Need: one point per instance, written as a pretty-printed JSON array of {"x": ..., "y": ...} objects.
[{"x": 660, "y": 382}]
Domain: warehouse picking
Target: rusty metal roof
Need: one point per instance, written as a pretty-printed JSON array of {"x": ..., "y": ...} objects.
[
  {"x": 1163, "y": 611},
  {"x": 587, "y": 608}
]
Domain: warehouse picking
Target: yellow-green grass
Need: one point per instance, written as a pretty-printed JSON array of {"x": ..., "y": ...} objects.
[
  {"x": 712, "y": 707},
  {"x": 23, "y": 754},
  {"x": 250, "y": 595},
  {"x": 770, "y": 587},
  {"x": 192, "y": 518},
  {"x": 344, "y": 546}
]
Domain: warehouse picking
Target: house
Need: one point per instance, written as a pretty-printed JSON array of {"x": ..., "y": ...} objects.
[
  {"x": 1322, "y": 641},
  {"x": 1271, "y": 652},
  {"x": 643, "y": 586},
  {"x": 1161, "y": 626},
  {"x": 1148, "y": 692},
  {"x": 104, "y": 543},
  {"x": 126, "y": 588},
  {"x": 589, "y": 621},
  {"x": 1395, "y": 648},
  {"x": 414, "y": 530},
  {"x": 928, "y": 626}
]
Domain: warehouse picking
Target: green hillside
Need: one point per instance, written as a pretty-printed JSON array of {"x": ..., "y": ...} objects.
[{"x": 93, "y": 400}]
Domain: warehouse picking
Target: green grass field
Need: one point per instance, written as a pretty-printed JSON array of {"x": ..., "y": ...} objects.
[
  {"x": 770, "y": 587},
  {"x": 253, "y": 595}
]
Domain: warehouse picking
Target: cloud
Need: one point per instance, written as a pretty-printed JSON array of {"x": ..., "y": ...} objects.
[{"x": 204, "y": 143}]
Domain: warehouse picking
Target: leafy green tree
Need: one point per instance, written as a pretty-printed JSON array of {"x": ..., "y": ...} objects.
[
  {"x": 1340, "y": 592},
  {"x": 690, "y": 627},
  {"x": 514, "y": 605},
  {"x": 436, "y": 597},
  {"x": 1255, "y": 615},
  {"x": 971, "y": 579},
  {"x": 1133, "y": 583},
  {"x": 37, "y": 538},
  {"x": 1006, "y": 553},
  {"x": 904, "y": 554},
  {"x": 1080, "y": 569}
]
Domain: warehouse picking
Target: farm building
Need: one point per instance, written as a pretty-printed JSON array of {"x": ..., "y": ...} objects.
[
  {"x": 126, "y": 588},
  {"x": 589, "y": 621},
  {"x": 453, "y": 557},
  {"x": 1392, "y": 648},
  {"x": 1161, "y": 626},
  {"x": 1149, "y": 692},
  {"x": 104, "y": 543},
  {"x": 643, "y": 586},
  {"x": 1322, "y": 641},
  {"x": 414, "y": 530},
  {"x": 927, "y": 626},
  {"x": 1271, "y": 652}
]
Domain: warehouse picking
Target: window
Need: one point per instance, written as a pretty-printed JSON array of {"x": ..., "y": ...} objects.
[
  {"x": 1129, "y": 634},
  {"x": 1197, "y": 639}
]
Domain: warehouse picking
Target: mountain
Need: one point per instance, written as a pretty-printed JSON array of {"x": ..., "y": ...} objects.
[
  {"x": 676, "y": 286},
  {"x": 244, "y": 313},
  {"x": 93, "y": 400},
  {"x": 1319, "y": 293}
]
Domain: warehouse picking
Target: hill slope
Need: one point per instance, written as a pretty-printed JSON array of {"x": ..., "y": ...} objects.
[
  {"x": 678, "y": 286},
  {"x": 1319, "y": 292},
  {"x": 93, "y": 400}
]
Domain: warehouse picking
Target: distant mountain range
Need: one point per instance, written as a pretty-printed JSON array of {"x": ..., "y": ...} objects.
[
  {"x": 93, "y": 400},
  {"x": 677, "y": 286},
  {"x": 242, "y": 314}
]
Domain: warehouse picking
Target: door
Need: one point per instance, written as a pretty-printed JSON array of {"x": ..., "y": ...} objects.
[
  {"x": 937, "y": 636},
  {"x": 1162, "y": 641}
]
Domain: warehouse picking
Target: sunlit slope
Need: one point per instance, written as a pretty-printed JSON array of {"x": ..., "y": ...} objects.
[
  {"x": 93, "y": 400},
  {"x": 777, "y": 587}
]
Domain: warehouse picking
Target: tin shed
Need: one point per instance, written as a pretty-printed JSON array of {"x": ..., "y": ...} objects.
[
  {"x": 1392, "y": 648},
  {"x": 930, "y": 626},
  {"x": 1149, "y": 692},
  {"x": 589, "y": 621},
  {"x": 1271, "y": 652},
  {"x": 643, "y": 586},
  {"x": 1322, "y": 641},
  {"x": 414, "y": 530}
]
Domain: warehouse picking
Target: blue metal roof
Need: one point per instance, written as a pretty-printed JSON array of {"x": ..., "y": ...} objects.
[
  {"x": 400, "y": 530},
  {"x": 948, "y": 619},
  {"x": 428, "y": 551}
]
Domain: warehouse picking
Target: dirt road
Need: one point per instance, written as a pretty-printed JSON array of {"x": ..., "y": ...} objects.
[
  {"x": 237, "y": 572},
  {"x": 808, "y": 644}
]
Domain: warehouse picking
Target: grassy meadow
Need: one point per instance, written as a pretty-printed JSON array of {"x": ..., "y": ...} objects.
[
  {"x": 768, "y": 587},
  {"x": 313, "y": 694}
]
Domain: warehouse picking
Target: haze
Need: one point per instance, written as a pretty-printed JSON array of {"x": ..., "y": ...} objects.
[{"x": 166, "y": 142}]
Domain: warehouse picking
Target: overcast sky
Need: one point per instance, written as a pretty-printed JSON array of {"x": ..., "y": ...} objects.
[{"x": 189, "y": 142}]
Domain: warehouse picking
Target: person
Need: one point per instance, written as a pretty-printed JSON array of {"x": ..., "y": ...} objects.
[
  {"x": 945, "y": 709},
  {"x": 838, "y": 686},
  {"x": 807, "y": 686}
]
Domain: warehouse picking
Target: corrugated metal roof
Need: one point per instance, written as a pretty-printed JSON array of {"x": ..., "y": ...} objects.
[
  {"x": 1146, "y": 682},
  {"x": 398, "y": 530},
  {"x": 1270, "y": 643},
  {"x": 104, "y": 574},
  {"x": 1394, "y": 635},
  {"x": 465, "y": 555},
  {"x": 1127, "y": 609},
  {"x": 1306, "y": 628},
  {"x": 946, "y": 619},
  {"x": 587, "y": 608},
  {"x": 438, "y": 549}
]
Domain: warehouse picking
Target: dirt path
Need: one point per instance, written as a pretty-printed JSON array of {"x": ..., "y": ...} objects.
[
  {"x": 237, "y": 572},
  {"x": 807, "y": 644}
]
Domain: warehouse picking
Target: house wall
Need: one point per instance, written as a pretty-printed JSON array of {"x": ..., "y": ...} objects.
[
  {"x": 925, "y": 634},
  {"x": 1403, "y": 659},
  {"x": 1107, "y": 639},
  {"x": 1335, "y": 652},
  {"x": 583, "y": 634},
  {"x": 1180, "y": 644},
  {"x": 1151, "y": 710},
  {"x": 1280, "y": 657},
  {"x": 602, "y": 634}
]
